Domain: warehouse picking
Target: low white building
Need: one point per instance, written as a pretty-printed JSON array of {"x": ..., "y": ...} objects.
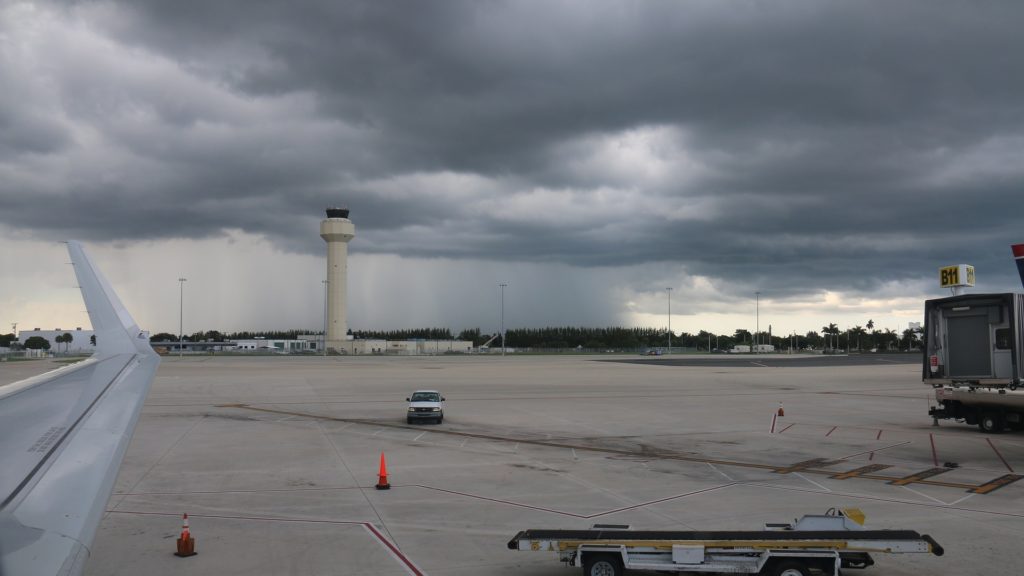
[
  {"x": 410, "y": 347},
  {"x": 81, "y": 340},
  {"x": 271, "y": 345},
  {"x": 407, "y": 347}
]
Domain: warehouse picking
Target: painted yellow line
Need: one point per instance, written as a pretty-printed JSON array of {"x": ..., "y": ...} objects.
[
  {"x": 859, "y": 471},
  {"x": 807, "y": 464},
  {"x": 917, "y": 477},
  {"x": 996, "y": 484}
]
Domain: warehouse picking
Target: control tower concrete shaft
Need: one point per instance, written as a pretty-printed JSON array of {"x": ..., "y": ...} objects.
[{"x": 337, "y": 230}]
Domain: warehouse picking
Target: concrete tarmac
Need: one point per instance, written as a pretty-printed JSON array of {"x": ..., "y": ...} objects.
[{"x": 275, "y": 461}]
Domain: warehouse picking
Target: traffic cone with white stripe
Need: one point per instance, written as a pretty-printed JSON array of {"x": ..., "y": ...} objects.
[{"x": 186, "y": 543}]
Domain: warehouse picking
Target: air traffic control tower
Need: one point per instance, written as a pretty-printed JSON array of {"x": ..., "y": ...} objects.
[{"x": 337, "y": 230}]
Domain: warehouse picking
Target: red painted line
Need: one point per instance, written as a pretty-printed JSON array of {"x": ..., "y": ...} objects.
[
  {"x": 509, "y": 502},
  {"x": 572, "y": 514},
  {"x": 774, "y": 418},
  {"x": 879, "y": 437},
  {"x": 394, "y": 550},
  {"x": 847, "y": 457},
  {"x": 935, "y": 456},
  {"x": 996, "y": 450},
  {"x": 787, "y": 428},
  {"x": 871, "y": 456},
  {"x": 658, "y": 501},
  {"x": 832, "y": 430}
]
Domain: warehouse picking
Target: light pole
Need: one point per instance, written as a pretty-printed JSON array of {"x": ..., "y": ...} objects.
[
  {"x": 502, "y": 318},
  {"x": 757, "y": 320},
  {"x": 669, "y": 291},
  {"x": 326, "y": 283},
  {"x": 181, "y": 313}
]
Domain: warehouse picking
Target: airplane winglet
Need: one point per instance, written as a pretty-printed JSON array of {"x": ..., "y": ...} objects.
[{"x": 116, "y": 331}]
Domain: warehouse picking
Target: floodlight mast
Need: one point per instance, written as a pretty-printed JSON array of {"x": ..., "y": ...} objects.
[
  {"x": 181, "y": 315},
  {"x": 669, "y": 291},
  {"x": 502, "y": 318}
]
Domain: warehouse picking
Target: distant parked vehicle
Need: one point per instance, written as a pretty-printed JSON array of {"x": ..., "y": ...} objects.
[{"x": 425, "y": 405}]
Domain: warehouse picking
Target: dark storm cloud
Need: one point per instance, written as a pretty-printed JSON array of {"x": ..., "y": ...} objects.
[{"x": 800, "y": 144}]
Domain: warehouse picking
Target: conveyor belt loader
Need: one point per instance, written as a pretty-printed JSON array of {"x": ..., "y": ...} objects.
[{"x": 815, "y": 543}]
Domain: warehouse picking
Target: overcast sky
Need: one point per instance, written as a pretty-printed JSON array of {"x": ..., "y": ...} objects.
[{"x": 590, "y": 154}]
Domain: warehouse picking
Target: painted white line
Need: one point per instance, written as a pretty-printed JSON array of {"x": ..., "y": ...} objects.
[
  {"x": 574, "y": 456},
  {"x": 720, "y": 472},
  {"x": 926, "y": 496},
  {"x": 377, "y": 432},
  {"x": 962, "y": 499},
  {"x": 759, "y": 364},
  {"x": 515, "y": 448},
  {"x": 811, "y": 481},
  {"x": 418, "y": 437},
  {"x": 463, "y": 442}
]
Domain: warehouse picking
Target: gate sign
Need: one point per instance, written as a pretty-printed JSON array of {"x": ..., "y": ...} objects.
[{"x": 959, "y": 275}]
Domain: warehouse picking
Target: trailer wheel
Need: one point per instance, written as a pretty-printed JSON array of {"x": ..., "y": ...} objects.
[
  {"x": 791, "y": 568},
  {"x": 602, "y": 565},
  {"x": 990, "y": 422}
]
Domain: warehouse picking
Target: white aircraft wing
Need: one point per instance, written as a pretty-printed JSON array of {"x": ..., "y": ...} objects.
[{"x": 63, "y": 435}]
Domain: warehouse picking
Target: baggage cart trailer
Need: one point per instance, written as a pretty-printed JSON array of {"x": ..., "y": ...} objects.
[{"x": 822, "y": 544}]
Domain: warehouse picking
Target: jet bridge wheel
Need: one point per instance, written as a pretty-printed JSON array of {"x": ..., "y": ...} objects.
[
  {"x": 602, "y": 565},
  {"x": 790, "y": 568}
]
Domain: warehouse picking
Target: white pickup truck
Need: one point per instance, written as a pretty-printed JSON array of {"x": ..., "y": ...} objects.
[{"x": 425, "y": 405}]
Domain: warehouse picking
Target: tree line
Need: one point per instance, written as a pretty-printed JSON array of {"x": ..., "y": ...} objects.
[
  {"x": 40, "y": 343},
  {"x": 858, "y": 338}
]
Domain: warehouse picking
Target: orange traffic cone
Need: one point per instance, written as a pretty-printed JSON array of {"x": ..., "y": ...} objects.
[
  {"x": 382, "y": 476},
  {"x": 186, "y": 544},
  {"x": 781, "y": 411}
]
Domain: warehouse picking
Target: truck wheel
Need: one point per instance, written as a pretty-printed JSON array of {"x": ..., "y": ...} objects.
[
  {"x": 790, "y": 568},
  {"x": 602, "y": 565},
  {"x": 990, "y": 422},
  {"x": 408, "y": 420}
]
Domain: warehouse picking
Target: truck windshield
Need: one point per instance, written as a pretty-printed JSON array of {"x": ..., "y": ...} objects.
[{"x": 426, "y": 397}]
